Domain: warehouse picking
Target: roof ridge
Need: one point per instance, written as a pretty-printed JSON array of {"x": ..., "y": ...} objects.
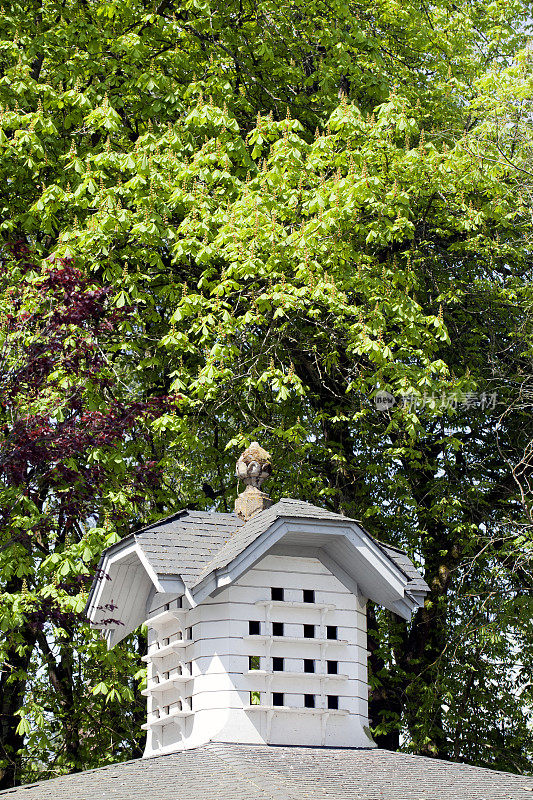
[
  {"x": 391, "y": 546},
  {"x": 319, "y": 508},
  {"x": 175, "y": 515}
]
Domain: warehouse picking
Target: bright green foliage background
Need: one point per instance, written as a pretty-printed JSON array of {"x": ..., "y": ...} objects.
[{"x": 296, "y": 206}]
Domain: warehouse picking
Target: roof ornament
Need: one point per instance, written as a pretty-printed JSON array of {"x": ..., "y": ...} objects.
[{"x": 253, "y": 468}]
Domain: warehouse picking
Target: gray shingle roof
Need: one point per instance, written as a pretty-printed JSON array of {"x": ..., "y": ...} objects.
[
  {"x": 185, "y": 543},
  {"x": 260, "y": 772},
  {"x": 193, "y": 544},
  {"x": 416, "y": 581},
  {"x": 259, "y": 523}
]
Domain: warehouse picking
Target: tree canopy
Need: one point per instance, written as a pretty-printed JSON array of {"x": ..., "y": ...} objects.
[{"x": 232, "y": 222}]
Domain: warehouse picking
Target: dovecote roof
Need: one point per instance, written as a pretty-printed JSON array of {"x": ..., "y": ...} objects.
[{"x": 191, "y": 552}]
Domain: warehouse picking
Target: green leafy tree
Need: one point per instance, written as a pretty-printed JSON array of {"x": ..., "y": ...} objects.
[{"x": 296, "y": 209}]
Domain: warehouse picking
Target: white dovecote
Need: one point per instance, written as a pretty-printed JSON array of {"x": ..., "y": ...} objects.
[{"x": 257, "y": 620}]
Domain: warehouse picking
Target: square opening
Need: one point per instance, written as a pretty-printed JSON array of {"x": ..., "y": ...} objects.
[
  {"x": 277, "y": 699},
  {"x": 189, "y": 633},
  {"x": 333, "y": 667},
  {"x": 309, "y": 701},
  {"x": 309, "y": 631},
  {"x": 333, "y": 702},
  {"x": 276, "y": 593},
  {"x": 254, "y": 627},
  {"x": 277, "y": 629},
  {"x": 254, "y": 662},
  {"x": 189, "y": 667},
  {"x": 255, "y": 698},
  {"x": 309, "y": 595},
  {"x": 278, "y": 664},
  {"x": 309, "y": 664},
  {"x": 331, "y": 632}
]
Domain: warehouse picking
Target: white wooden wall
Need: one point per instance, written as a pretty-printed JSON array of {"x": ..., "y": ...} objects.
[{"x": 199, "y": 689}]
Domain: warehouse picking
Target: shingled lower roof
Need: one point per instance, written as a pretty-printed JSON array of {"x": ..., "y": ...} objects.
[
  {"x": 185, "y": 543},
  {"x": 249, "y": 772},
  {"x": 416, "y": 581}
]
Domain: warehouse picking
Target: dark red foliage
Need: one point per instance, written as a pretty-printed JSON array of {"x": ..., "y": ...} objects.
[
  {"x": 107, "y": 607},
  {"x": 47, "y": 456},
  {"x": 76, "y": 303},
  {"x": 49, "y": 612},
  {"x": 99, "y": 573},
  {"x": 68, "y": 299},
  {"x": 21, "y": 253},
  {"x": 110, "y": 621}
]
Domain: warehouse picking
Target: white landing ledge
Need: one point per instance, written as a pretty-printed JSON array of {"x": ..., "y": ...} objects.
[
  {"x": 294, "y": 639},
  {"x": 294, "y": 604},
  {"x": 163, "y": 618},
  {"x": 282, "y": 673},
  {"x": 164, "y": 651},
  {"x": 339, "y": 712},
  {"x": 162, "y": 686},
  {"x": 160, "y": 721}
]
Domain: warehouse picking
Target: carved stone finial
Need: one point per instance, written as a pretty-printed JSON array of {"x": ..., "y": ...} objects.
[{"x": 253, "y": 468}]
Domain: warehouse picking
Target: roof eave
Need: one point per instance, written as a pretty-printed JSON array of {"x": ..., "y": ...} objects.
[
  {"x": 126, "y": 582},
  {"x": 394, "y": 581}
]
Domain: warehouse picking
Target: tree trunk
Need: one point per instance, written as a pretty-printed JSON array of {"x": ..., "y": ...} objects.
[
  {"x": 384, "y": 696},
  {"x": 62, "y": 681},
  {"x": 12, "y": 690}
]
